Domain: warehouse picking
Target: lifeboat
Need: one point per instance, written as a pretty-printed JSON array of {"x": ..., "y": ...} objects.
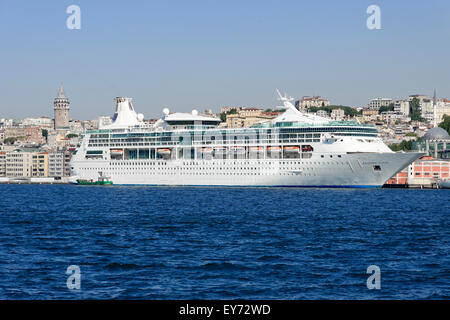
[
  {"x": 206, "y": 150},
  {"x": 256, "y": 149},
  {"x": 292, "y": 149},
  {"x": 164, "y": 151},
  {"x": 116, "y": 151},
  {"x": 307, "y": 148},
  {"x": 220, "y": 150},
  {"x": 237, "y": 150},
  {"x": 274, "y": 149}
]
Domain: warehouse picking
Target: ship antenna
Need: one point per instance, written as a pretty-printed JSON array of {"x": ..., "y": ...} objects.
[{"x": 280, "y": 97}]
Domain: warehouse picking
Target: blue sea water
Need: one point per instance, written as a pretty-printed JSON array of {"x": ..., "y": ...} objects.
[{"x": 223, "y": 243}]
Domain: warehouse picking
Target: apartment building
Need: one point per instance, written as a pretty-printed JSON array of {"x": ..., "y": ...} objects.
[
  {"x": 377, "y": 103},
  {"x": 2, "y": 163}
]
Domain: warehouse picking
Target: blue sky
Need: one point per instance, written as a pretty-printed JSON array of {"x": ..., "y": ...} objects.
[{"x": 208, "y": 54}]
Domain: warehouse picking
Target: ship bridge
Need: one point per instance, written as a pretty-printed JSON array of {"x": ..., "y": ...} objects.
[{"x": 183, "y": 121}]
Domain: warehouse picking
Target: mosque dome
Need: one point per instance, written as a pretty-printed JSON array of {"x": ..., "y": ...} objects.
[{"x": 436, "y": 134}]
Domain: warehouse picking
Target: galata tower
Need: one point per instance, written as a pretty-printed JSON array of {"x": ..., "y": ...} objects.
[{"x": 61, "y": 108}]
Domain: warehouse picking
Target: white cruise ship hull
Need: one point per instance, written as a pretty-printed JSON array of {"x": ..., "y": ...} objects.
[{"x": 349, "y": 170}]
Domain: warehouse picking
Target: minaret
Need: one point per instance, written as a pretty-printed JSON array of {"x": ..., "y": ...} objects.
[
  {"x": 61, "y": 108},
  {"x": 434, "y": 109}
]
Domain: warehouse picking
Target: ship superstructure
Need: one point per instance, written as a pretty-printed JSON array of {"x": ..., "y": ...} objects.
[{"x": 294, "y": 149}]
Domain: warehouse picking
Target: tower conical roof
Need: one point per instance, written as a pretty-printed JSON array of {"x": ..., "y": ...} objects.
[{"x": 61, "y": 93}]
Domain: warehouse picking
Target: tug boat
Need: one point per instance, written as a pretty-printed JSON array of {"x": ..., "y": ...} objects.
[
  {"x": 101, "y": 181},
  {"x": 445, "y": 184}
]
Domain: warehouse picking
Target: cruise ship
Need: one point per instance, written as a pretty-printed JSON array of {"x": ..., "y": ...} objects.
[{"x": 294, "y": 149}]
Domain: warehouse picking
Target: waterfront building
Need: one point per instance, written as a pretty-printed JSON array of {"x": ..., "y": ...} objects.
[
  {"x": 2, "y": 163},
  {"x": 59, "y": 163},
  {"x": 19, "y": 164},
  {"x": 56, "y": 164},
  {"x": 39, "y": 166},
  {"x": 61, "y": 110},
  {"x": 27, "y": 162},
  {"x": 67, "y": 158},
  {"x": 377, "y": 103},
  {"x": 424, "y": 171}
]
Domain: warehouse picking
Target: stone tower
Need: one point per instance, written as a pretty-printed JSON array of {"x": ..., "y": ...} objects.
[{"x": 61, "y": 108}]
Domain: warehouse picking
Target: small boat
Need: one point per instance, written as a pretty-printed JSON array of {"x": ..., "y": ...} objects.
[
  {"x": 220, "y": 150},
  {"x": 164, "y": 151},
  {"x": 256, "y": 149},
  {"x": 307, "y": 148},
  {"x": 91, "y": 182},
  {"x": 445, "y": 184},
  {"x": 237, "y": 150},
  {"x": 292, "y": 149},
  {"x": 274, "y": 149},
  {"x": 206, "y": 150},
  {"x": 101, "y": 181},
  {"x": 116, "y": 151}
]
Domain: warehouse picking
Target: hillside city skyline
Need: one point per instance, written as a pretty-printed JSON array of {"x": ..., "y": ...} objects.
[
  {"x": 207, "y": 55},
  {"x": 48, "y": 112}
]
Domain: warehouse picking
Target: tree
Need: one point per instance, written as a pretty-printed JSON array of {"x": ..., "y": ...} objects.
[
  {"x": 10, "y": 140},
  {"x": 386, "y": 108},
  {"x": 71, "y": 135},
  {"x": 45, "y": 134},
  {"x": 223, "y": 115},
  {"x": 446, "y": 123},
  {"x": 349, "y": 111},
  {"x": 404, "y": 145},
  {"x": 414, "y": 110}
]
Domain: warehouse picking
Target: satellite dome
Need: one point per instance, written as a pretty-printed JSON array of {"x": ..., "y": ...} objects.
[
  {"x": 194, "y": 112},
  {"x": 140, "y": 117},
  {"x": 436, "y": 134},
  {"x": 166, "y": 111}
]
